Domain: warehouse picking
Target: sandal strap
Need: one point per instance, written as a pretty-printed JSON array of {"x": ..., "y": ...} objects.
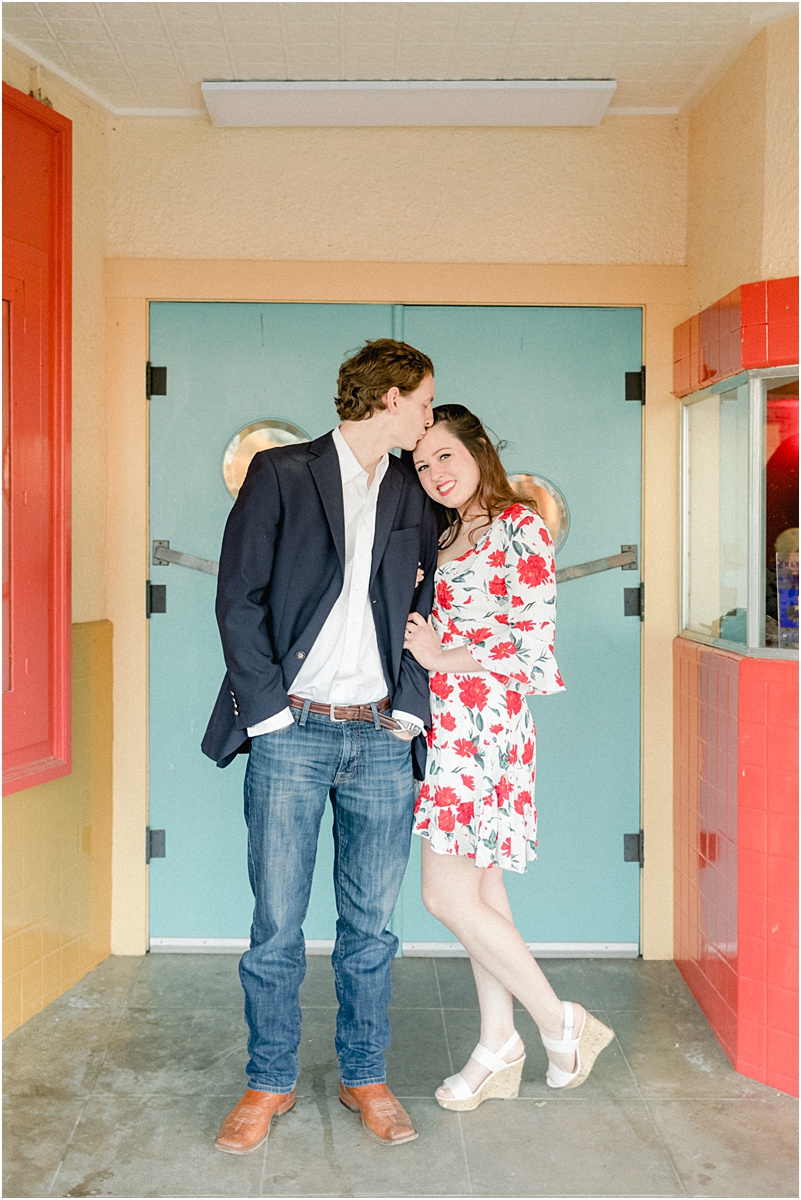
[
  {"x": 494, "y": 1061},
  {"x": 459, "y": 1089},
  {"x": 558, "y": 1077},
  {"x": 565, "y": 1044}
]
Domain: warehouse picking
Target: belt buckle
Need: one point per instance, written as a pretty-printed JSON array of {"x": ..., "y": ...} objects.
[{"x": 336, "y": 720}]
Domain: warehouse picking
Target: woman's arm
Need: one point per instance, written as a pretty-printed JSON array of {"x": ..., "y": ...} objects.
[{"x": 424, "y": 643}]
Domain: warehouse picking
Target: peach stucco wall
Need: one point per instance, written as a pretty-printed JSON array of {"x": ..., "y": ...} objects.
[
  {"x": 742, "y": 217},
  {"x": 620, "y": 214},
  {"x": 611, "y": 194}
]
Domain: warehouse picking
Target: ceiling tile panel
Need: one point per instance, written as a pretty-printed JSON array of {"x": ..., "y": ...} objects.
[{"x": 655, "y": 50}]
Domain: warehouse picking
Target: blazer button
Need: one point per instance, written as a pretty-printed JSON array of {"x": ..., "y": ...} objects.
[{"x": 299, "y": 654}]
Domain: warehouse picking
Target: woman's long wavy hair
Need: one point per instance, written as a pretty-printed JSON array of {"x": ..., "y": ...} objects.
[{"x": 494, "y": 493}]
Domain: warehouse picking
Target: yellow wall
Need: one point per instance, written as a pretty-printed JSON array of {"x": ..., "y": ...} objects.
[
  {"x": 612, "y": 194},
  {"x": 57, "y": 837},
  {"x": 57, "y": 850},
  {"x": 742, "y": 216}
]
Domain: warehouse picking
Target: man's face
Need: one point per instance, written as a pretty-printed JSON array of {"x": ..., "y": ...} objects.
[{"x": 414, "y": 415}]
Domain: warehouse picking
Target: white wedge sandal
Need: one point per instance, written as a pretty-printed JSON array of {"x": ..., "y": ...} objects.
[
  {"x": 592, "y": 1038},
  {"x": 503, "y": 1082}
]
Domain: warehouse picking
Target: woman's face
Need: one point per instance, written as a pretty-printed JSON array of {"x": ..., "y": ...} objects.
[{"x": 445, "y": 467}]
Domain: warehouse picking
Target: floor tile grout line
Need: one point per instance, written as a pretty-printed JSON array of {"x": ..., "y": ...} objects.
[
  {"x": 450, "y": 1064},
  {"x": 657, "y": 1131},
  {"x": 89, "y": 1094}
]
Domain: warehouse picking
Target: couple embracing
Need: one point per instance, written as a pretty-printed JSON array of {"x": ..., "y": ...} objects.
[{"x": 382, "y": 621}]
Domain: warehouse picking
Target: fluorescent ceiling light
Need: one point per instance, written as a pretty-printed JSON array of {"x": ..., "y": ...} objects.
[{"x": 410, "y": 102}]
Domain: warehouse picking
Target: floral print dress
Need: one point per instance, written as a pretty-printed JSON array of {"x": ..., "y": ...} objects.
[{"x": 499, "y": 600}]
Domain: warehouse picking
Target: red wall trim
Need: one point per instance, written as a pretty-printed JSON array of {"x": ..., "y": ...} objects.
[
  {"x": 755, "y": 326},
  {"x": 37, "y": 248}
]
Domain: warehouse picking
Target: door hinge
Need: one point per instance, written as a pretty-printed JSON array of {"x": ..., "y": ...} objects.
[
  {"x": 155, "y": 381},
  {"x": 634, "y": 847},
  {"x": 635, "y": 385},
  {"x": 155, "y": 598},
  {"x": 634, "y": 602},
  {"x": 155, "y": 843}
]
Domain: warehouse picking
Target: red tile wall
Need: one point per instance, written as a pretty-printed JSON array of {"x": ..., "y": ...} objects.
[
  {"x": 756, "y": 325},
  {"x": 736, "y": 852}
]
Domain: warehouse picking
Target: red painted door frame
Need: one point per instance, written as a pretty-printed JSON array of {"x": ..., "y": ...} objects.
[{"x": 37, "y": 278}]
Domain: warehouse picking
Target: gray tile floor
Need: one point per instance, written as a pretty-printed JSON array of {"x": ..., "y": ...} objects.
[{"x": 118, "y": 1088}]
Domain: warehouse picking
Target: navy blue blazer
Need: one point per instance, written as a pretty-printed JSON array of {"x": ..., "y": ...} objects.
[{"x": 282, "y": 569}]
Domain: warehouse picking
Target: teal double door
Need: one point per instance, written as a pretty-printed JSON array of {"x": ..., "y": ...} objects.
[{"x": 550, "y": 382}]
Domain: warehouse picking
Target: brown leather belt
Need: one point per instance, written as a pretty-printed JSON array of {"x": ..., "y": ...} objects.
[{"x": 349, "y": 712}]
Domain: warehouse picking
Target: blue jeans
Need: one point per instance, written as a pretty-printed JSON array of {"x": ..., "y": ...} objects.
[{"x": 368, "y": 773}]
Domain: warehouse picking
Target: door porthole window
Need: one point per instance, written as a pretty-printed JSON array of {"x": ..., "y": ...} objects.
[
  {"x": 550, "y": 502},
  {"x": 249, "y": 441}
]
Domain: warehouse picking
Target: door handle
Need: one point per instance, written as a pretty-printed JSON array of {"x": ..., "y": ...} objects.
[
  {"x": 626, "y": 560},
  {"x": 163, "y": 556}
]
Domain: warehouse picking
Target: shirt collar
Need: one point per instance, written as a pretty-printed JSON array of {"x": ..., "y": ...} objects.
[{"x": 349, "y": 466}]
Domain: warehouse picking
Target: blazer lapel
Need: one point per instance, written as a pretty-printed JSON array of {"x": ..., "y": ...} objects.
[
  {"x": 388, "y": 499},
  {"x": 324, "y": 466}
]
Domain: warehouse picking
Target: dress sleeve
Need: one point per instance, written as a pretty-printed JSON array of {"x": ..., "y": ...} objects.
[{"x": 517, "y": 640}]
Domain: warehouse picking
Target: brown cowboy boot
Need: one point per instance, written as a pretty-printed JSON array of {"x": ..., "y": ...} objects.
[
  {"x": 383, "y": 1116},
  {"x": 248, "y": 1124}
]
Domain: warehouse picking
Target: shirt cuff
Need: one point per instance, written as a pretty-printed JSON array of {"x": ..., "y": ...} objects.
[
  {"x": 281, "y": 720},
  {"x": 415, "y": 724}
]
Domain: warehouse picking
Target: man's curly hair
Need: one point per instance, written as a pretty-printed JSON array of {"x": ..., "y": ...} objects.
[{"x": 367, "y": 377}]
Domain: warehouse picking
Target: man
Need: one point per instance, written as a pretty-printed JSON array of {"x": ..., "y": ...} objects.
[{"x": 328, "y": 548}]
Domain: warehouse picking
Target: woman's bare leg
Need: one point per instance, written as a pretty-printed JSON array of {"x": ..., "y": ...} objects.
[{"x": 471, "y": 902}]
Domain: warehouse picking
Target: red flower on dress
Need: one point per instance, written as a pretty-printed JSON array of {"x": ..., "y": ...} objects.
[
  {"x": 478, "y": 635},
  {"x": 520, "y": 676},
  {"x": 525, "y": 521},
  {"x": 496, "y": 729},
  {"x": 431, "y": 736},
  {"x": 533, "y": 570},
  {"x": 502, "y": 650},
  {"x": 469, "y": 782},
  {"x": 503, "y": 790},
  {"x": 526, "y": 626},
  {"x": 497, "y": 559},
  {"x": 448, "y": 721},
  {"x": 513, "y": 755},
  {"x": 522, "y": 802},
  {"x": 473, "y": 691},
  {"x": 545, "y": 535},
  {"x": 528, "y": 753},
  {"x": 502, "y": 618},
  {"x": 464, "y": 813},
  {"x": 439, "y": 685},
  {"x": 444, "y": 796},
  {"x": 558, "y": 678},
  {"x": 506, "y": 848},
  {"x": 517, "y": 602},
  {"x": 424, "y": 824},
  {"x": 444, "y": 594},
  {"x": 497, "y": 586},
  {"x": 465, "y": 748},
  {"x": 514, "y": 702},
  {"x": 446, "y": 820},
  {"x": 514, "y": 511}
]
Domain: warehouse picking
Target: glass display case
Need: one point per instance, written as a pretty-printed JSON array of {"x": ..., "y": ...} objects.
[{"x": 739, "y": 529}]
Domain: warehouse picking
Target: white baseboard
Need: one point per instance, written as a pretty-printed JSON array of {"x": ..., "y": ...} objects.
[{"x": 410, "y": 949}]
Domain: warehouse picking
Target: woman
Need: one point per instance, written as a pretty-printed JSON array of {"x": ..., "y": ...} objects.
[{"x": 487, "y": 645}]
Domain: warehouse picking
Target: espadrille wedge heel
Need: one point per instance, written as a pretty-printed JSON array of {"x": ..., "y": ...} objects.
[
  {"x": 503, "y": 1082},
  {"x": 592, "y": 1038}
]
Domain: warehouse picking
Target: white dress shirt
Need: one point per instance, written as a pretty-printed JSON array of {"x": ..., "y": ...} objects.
[{"x": 344, "y": 665}]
